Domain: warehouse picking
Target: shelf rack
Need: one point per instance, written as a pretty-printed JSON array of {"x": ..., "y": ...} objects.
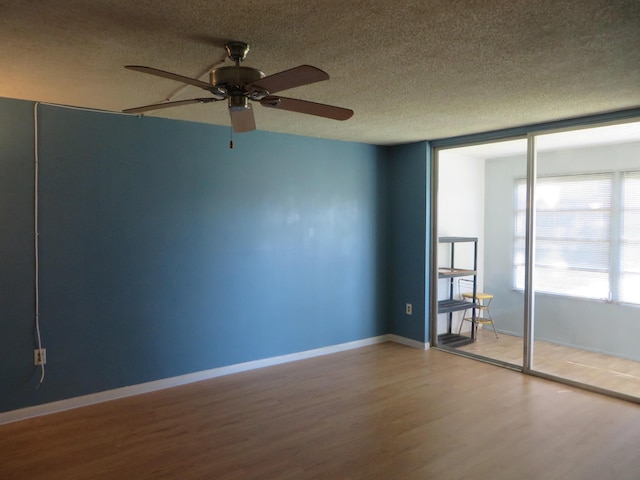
[{"x": 450, "y": 305}]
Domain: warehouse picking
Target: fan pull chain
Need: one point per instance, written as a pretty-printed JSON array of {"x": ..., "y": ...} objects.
[{"x": 231, "y": 138}]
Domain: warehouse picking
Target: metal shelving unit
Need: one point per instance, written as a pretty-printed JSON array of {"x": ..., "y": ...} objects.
[{"x": 451, "y": 304}]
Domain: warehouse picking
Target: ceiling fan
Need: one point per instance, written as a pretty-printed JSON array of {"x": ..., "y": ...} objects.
[{"x": 238, "y": 85}]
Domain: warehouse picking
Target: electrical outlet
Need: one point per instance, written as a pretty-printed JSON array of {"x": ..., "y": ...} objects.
[
  {"x": 40, "y": 356},
  {"x": 408, "y": 309}
]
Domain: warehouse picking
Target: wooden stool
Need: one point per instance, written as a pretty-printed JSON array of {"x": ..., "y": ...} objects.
[{"x": 483, "y": 309}]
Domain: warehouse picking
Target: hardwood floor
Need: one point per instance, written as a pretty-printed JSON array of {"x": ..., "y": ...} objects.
[
  {"x": 380, "y": 412},
  {"x": 605, "y": 371}
]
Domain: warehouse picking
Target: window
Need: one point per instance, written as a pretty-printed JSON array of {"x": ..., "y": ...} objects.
[
  {"x": 585, "y": 246},
  {"x": 630, "y": 241}
]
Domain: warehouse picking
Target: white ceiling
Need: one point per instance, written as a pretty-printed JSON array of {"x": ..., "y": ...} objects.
[{"x": 410, "y": 69}]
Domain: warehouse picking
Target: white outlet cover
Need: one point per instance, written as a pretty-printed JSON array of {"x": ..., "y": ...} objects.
[{"x": 43, "y": 355}]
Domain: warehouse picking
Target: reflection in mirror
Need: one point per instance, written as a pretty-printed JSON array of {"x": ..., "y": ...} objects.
[
  {"x": 476, "y": 201},
  {"x": 587, "y": 272}
]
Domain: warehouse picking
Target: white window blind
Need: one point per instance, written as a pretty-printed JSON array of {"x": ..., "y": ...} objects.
[
  {"x": 630, "y": 239},
  {"x": 573, "y": 229}
]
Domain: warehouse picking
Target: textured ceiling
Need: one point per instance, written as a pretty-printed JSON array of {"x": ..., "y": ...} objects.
[{"x": 410, "y": 69}]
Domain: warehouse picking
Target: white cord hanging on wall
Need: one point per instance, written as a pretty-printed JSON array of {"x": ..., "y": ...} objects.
[
  {"x": 36, "y": 233},
  {"x": 36, "y": 245}
]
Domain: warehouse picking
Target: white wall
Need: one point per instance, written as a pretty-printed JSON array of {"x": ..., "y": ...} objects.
[
  {"x": 461, "y": 184},
  {"x": 593, "y": 325}
]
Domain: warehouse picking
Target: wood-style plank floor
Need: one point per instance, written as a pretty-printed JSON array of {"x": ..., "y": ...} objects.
[
  {"x": 604, "y": 371},
  {"x": 381, "y": 412}
]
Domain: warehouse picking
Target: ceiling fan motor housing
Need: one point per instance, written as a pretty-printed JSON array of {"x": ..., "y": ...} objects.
[{"x": 234, "y": 78}]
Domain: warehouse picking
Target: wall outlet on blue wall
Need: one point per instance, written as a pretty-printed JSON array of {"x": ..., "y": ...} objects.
[
  {"x": 40, "y": 356},
  {"x": 408, "y": 309}
]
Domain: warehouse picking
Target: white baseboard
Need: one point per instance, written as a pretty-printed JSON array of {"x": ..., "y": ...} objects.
[
  {"x": 85, "y": 400},
  {"x": 409, "y": 342}
]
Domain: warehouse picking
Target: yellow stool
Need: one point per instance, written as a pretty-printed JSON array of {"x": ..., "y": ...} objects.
[{"x": 483, "y": 308}]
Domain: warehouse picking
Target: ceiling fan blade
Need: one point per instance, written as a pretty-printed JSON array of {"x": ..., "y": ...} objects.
[
  {"x": 172, "y": 76},
  {"x": 304, "y": 106},
  {"x": 242, "y": 119},
  {"x": 294, "y": 77},
  {"x": 157, "y": 106}
]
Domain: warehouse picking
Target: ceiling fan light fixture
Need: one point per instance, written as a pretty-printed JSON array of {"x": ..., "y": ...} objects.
[
  {"x": 238, "y": 103},
  {"x": 241, "y": 113}
]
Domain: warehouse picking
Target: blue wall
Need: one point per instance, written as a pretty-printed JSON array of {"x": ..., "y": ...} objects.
[
  {"x": 409, "y": 206},
  {"x": 163, "y": 252},
  {"x": 16, "y": 253}
]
